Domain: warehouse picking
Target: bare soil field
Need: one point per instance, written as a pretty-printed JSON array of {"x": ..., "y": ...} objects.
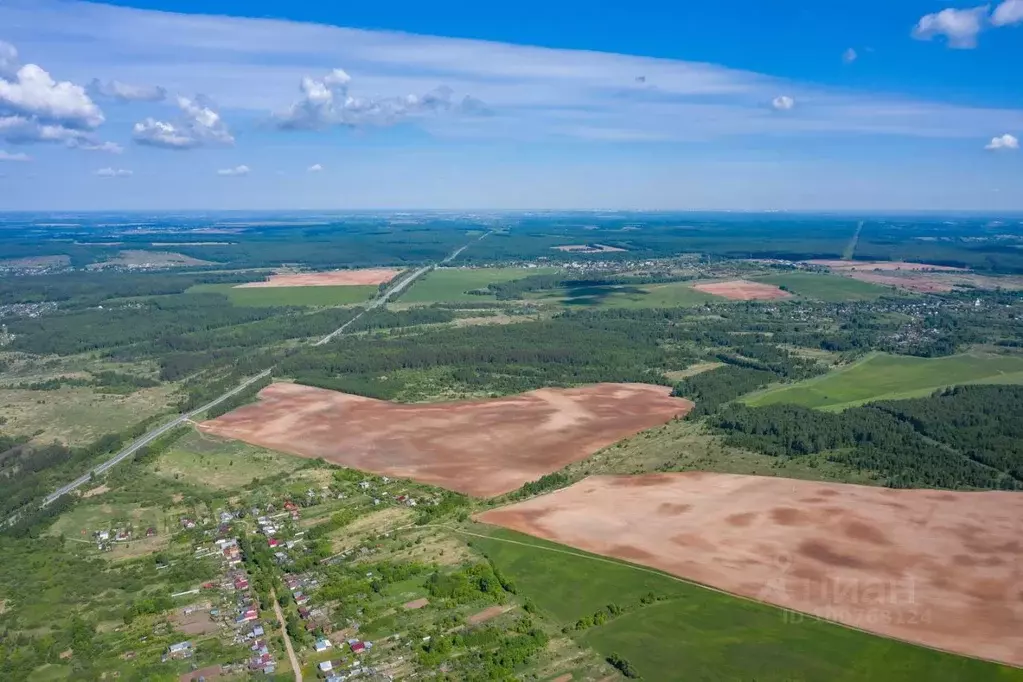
[
  {"x": 916, "y": 281},
  {"x": 881, "y": 265},
  {"x": 588, "y": 248},
  {"x": 742, "y": 290},
  {"x": 415, "y": 604},
  {"x": 481, "y": 448},
  {"x": 933, "y": 567},
  {"x": 335, "y": 278}
]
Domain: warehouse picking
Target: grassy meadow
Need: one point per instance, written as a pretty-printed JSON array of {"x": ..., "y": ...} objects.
[
  {"x": 827, "y": 288},
  {"x": 453, "y": 284},
  {"x": 668, "y": 295},
  {"x": 688, "y": 632},
  {"x": 282, "y": 296},
  {"x": 880, "y": 376}
]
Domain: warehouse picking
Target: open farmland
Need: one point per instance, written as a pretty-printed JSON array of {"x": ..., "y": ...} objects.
[
  {"x": 584, "y": 294},
  {"x": 334, "y": 278},
  {"x": 930, "y": 567},
  {"x": 454, "y": 284},
  {"x": 670, "y": 625},
  {"x": 828, "y": 288},
  {"x": 881, "y": 376},
  {"x": 482, "y": 448},
  {"x": 743, "y": 290},
  {"x": 311, "y": 296}
]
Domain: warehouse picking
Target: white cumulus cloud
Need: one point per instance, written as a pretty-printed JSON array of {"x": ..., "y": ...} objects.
[
  {"x": 315, "y": 168},
  {"x": 1008, "y": 13},
  {"x": 237, "y": 170},
  {"x": 36, "y": 108},
  {"x": 126, "y": 92},
  {"x": 327, "y": 102},
  {"x": 198, "y": 125},
  {"x": 89, "y": 146},
  {"x": 783, "y": 103},
  {"x": 114, "y": 172},
  {"x": 959, "y": 26},
  {"x": 1005, "y": 141},
  {"x": 849, "y": 56},
  {"x": 9, "y": 156}
]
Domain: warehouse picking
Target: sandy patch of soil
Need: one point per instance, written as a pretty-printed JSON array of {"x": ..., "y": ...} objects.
[
  {"x": 482, "y": 448},
  {"x": 932, "y": 567},
  {"x": 488, "y": 613},
  {"x": 335, "y": 278},
  {"x": 98, "y": 490},
  {"x": 743, "y": 290},
  {"x": 416, "y": 604},
  {"x": 195, "y": 623}
]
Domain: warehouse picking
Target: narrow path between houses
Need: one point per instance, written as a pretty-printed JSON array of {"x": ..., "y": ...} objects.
[{"x": 287, "y": 640}]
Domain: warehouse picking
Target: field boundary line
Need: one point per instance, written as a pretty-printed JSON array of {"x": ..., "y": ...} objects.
[{"x": 694, "y": 583}]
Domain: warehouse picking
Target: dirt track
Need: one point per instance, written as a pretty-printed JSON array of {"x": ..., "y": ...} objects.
[
  {"x": 938, "y": 568},
  {"x": 335, "y": 278},
  {"x": 742, "y": 290},
  {"x": 482, "y": 448}
]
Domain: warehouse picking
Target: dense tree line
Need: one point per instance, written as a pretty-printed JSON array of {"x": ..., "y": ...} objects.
[
  {"x": 81, "y": 289},
  {"x": 502, "y": 358},
  {"x": 243, "y": 397},
  {"x": 964, "y": 437}
]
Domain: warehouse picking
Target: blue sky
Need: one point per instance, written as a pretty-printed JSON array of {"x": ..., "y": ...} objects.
[{"x": 155, "y": 104}]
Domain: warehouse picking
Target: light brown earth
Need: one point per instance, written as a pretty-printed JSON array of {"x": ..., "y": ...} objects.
[
  {"x": 932, "y": 567},
  {"x": 195, "y": 623},
  {"x": 488, "y": 613},
  {"x": 880, "y": 265},
  {"x": 588, "y": 248},
  {"x": 743, "y": 290},
  {"x": 415, "y": 604},
  {"x": 335, "y": 278},
  {"x": 481, "y": 448},
  {"x": 916, "y": 281}
]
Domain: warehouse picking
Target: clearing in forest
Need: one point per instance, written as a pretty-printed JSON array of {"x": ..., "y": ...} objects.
[
  {"x": 880, "y": 376},
  {"x": 334, "y": 278},
  {"x": 743, "y": 290},
  {"x": 481, "y": 448},
  {"x": 932, "y": 567}
]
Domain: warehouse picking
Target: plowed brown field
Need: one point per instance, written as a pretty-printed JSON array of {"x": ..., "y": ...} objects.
[
  {"x": 335, "y": 278},
  {"x": 943, "y": 569},
  {"x": 481, "y": 448},
  {"x": 742, "y": 290}
]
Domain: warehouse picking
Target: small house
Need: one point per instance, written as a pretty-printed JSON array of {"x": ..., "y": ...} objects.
[
  {"x": 322, "y": 645},
  {"x": 326, "y": 666}
]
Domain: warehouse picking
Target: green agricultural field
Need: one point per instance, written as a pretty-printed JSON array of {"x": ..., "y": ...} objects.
[
  {"x": 262, "y": 297},
  {"x": 453, "y": 284},
  {"x": 880, "y": 376},
  {"x": 827, "y": 288},
  {"x": 670, "y": 295},
  {"x": 688, "y": 632}
]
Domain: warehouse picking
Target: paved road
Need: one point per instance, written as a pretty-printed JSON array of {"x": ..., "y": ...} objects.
[
  {"x": 381, "y": 299},
  {"x": 149, "y": 438},
  {"x": 159, "y": 431}
]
